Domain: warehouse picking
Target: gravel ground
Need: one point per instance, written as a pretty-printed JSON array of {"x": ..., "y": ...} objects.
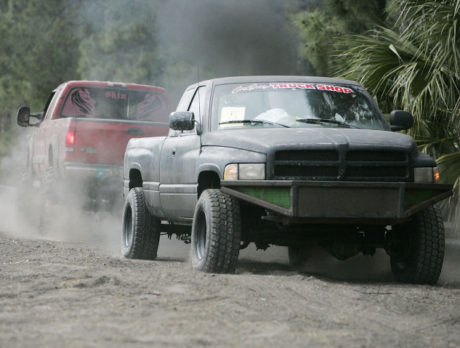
[{"x": 71, "y": 288}]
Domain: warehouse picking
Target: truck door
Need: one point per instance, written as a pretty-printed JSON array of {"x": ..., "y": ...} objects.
[
  {"x": 40, "y": 139},
  {"x": 178, "y": 176}
]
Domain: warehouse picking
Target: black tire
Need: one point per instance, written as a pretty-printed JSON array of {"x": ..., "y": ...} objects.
[
  {"x": 216, "y": 233},
  {"x": 419, "y": 252},
  {"x": 298, "y": 255},
  {"x": 141, "y": 230}
]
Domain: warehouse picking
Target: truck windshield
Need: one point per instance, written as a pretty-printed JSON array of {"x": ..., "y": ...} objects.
[
  {"x": 293, "y": 105},
  {"x": 116, "y": 103}
]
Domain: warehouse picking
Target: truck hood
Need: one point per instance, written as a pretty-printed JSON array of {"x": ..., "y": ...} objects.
[{"x": 264, "y": 140}]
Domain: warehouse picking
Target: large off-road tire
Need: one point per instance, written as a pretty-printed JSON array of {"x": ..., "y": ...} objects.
[
  {"x": 141, "y": 230},
  {"x": 216, "y": 233},
  {"x": 419, "y": 252},
  {"x": 298, "y": 255}
]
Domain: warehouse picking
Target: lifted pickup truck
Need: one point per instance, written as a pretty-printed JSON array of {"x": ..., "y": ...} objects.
[
  {"x": 81, "y": 136},
  {"x": 290, "y": 161}
]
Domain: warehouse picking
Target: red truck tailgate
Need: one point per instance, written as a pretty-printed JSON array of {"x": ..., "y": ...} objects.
[{"x": 104, "y": 141}]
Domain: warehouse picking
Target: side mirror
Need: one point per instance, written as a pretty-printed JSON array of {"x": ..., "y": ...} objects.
[
  {"x": 400, "y": 120},
  {"x": 182, "y": 120},
  {"x": 24, "y": 116}
]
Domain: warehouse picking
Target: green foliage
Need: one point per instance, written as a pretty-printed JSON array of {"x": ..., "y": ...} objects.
[
  {"x": 316, "y": 33},
  {"x": 5, "y": 143},
  {"x": 38, "y": 50},
  {"x": 121, "y": 47},
  {"x": 42, "y": 50},
  {"x": 322, "y": 29},
  {"x": 415, "y": 65}
]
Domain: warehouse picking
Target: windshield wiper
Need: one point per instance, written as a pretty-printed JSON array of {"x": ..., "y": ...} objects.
[
  {"x": 325, "y": 120},
  {"x": 254, "y": 122}
]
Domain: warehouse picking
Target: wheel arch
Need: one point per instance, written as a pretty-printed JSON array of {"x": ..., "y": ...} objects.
[
  {"x": 208, "y": 179},
  {"x": 135, "y": 178}
]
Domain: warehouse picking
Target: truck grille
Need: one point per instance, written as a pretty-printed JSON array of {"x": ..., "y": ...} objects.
[{"x": 353, "y": 165}]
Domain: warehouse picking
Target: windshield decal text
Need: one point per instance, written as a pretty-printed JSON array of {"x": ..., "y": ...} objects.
[
  {"x": 292, "y": 85},
  {"x": 319, "y": 87}
]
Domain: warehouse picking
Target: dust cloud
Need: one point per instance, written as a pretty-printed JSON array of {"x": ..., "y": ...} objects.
[
  {"x": 23, "y": 209},
  {"x": 202, "y": 39},
  {"x": 25, "y": 215}
]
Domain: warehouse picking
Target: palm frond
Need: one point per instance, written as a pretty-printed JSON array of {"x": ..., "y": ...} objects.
[{"x": 416, "y": 66}]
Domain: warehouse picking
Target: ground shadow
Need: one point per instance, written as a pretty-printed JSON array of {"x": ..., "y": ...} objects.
[
  {"x": 322, "y": 265},
  {"x": 362, "y": 269}
]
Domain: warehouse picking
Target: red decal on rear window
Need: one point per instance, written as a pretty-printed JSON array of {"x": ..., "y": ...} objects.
[{"x": 79, "y": 103}]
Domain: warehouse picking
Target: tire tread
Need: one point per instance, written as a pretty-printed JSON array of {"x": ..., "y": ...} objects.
[
  {"x": 426, "y": 255},
  {"x": 224, "y": 235},
  {"x": 145, "y": 228}
]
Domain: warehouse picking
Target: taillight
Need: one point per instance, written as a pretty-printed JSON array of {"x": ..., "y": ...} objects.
[{"x": 70, "y": 138}]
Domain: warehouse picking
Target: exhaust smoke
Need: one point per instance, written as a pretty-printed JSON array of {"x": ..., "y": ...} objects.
[{"x": 205, "y": 39}]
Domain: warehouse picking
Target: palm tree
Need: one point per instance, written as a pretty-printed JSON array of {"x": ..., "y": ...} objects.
[{"x": 415, "y": 65}]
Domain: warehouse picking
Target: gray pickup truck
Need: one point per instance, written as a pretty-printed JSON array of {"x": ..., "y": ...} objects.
[{"x": 284, "y": 160}]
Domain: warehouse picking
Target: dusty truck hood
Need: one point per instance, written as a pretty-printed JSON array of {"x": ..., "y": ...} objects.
[{"x": 265, "y": 140}]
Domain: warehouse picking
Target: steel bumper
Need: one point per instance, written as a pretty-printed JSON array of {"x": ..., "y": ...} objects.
[{"x": 346, "y": 201}]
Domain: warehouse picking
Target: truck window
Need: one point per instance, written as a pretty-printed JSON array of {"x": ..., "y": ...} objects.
[
  {"x": 50, "y": 104},
  {"x": 196, "y": 106},
  {"x": 184, "y": 102},
  {"x": 289, "y": 104},
  {"x": 116, "y": 103}
]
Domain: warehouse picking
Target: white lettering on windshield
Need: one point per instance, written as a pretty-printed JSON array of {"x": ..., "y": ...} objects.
[{"x": 292, "y": 85}]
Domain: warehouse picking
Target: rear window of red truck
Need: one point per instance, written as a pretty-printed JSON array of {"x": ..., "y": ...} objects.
[{"x": 116, "y": 103}]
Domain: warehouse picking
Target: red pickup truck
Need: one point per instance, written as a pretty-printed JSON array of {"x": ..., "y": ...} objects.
[{"x": 81, "y": 136}]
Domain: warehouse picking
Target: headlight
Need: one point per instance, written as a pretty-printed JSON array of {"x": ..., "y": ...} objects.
[
  {"x": 245, "y": 171},
  {"x": 426, "y": 175},
  {"x": 251, "y": 171}
]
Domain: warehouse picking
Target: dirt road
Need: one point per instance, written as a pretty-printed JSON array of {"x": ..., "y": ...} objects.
[{"x": 72, "y": 289}]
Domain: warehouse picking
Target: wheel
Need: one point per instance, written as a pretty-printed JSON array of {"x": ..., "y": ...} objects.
[
  {"x": 298, "y": 255},
  {"x": 419, "y": 251},
  {"x": 216, "y": 233},
  {"x": 140, "y": 229}
]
